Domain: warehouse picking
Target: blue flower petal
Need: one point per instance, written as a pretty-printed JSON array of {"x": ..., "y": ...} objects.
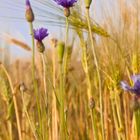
[
  {"x": 135, "y": 78},
  {"x": 28, "y": 3},
  {"x": 40, "y": 34},
  {"x": 65, "y": 3},
  {"x": 136, "y": 85},
  {"x": 125, "y": 86}
]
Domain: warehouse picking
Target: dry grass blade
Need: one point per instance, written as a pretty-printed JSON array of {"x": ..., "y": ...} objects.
[
  {"x": 11, "y": 40},
  {"x": 20, "y": 44}
]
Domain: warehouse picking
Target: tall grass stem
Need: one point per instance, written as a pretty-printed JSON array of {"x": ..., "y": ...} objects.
[
  {"x": 98, "y": 72},
  {"x": 27, "y": 115},
  {"x": 54, "y": 103},
  {"x": 44, "y": 77},
  {"x": 62, "y": 114},
  {"x": 15, "y": 102},
  {"x": 89, "y": 85},
  {"x": 33, "y": 75}
]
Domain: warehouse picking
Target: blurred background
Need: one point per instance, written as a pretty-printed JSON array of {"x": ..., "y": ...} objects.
[{"x": 12, "y": 20}]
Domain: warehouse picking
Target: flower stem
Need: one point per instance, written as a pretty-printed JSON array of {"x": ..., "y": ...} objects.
[
  {"x": 65, "y": 56},
  {"x": 62, "y": 114},
  {"x": 98, "y": 72},
  {"x": 45, "y": 90},
  {"x": 33, "y": 55},
  {"x": 67, "y": 30},
  {"x": 44, "y": 78},
  {"x": 33, "y": 73},
  {"x": 89, "y": 88},
  {"x": 63, "y": 68},
  {"x": 136, "y": 116}
]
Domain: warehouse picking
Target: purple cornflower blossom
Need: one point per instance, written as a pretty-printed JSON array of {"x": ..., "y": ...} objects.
[
  {"x": 136, "y": 85},
  {"x": 40, "y": 34},
  {"x": 65, "y": 3}
]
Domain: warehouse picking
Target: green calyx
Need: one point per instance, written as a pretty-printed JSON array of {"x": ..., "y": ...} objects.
[
  {"x": 88, "y": 3},
  {"x": 67, "y": 12},
  {"x": 40, "y": 46}
]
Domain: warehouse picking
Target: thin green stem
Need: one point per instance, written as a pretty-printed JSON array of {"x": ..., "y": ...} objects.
[
  {"x": 92, "y": 111},
  {"x": 98, "y": 72},
  {"x": 65, "y": 71},
  {"x": 63, "y": 68},
  {"x": 89, "y": 88},
  {"x": 33, "y": 55},
  {"x": 62, "y": 114},
  {"x": 33, "y": 75},
  {"x": 45, "y": 89},
  {"x": 65, "y": 56},
  {"x": 44, "y": 77},
  {"x": 67, "y": 30},
  {"x": 136, "y": 116}
]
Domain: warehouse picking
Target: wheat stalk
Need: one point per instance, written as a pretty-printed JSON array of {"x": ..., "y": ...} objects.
[{"x": 11, "y": 40}]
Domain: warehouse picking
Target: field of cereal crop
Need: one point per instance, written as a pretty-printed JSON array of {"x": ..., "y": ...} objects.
[{"x": 70, "y": 70}]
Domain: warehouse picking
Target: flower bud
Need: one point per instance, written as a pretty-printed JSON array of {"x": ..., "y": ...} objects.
[
  {"x": 40, "y": 46},
  {"x": 91, "y": 103},
  {"x": 88, "y": 3},
  {"x": 22, "y": 87},
  {"x": 29, "y": 15},
  {"x": 60, "y": 51},
  {"x": 67, "y": 12}
]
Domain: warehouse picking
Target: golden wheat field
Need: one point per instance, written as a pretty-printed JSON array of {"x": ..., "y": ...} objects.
[{"x": 77, "y": 74}]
